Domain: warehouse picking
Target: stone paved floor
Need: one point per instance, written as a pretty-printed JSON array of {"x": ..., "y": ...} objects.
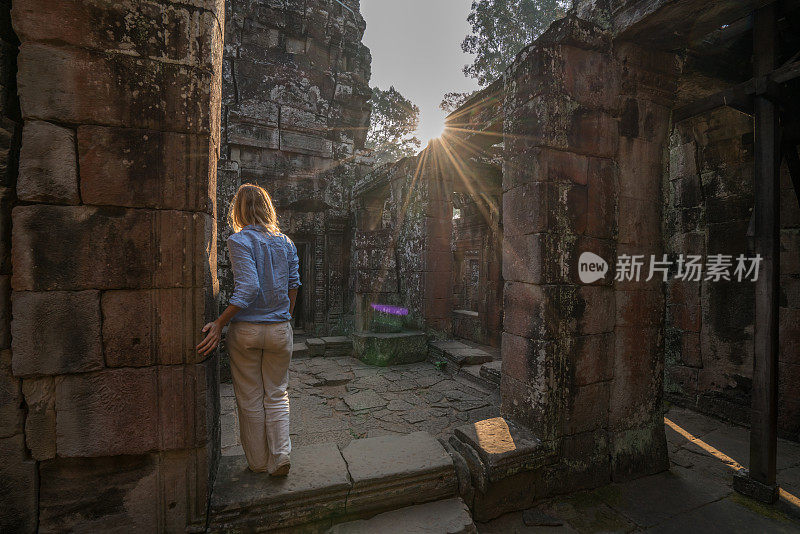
[
  {"x": 341, "y": 399},
  {"x": 694, "y": 496}
]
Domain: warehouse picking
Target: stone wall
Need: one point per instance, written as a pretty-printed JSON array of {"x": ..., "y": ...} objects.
[
  {"x": 586, "y": 121},
  {"x": 114, "y": 263},
  {"x": 294, "y": 120},
  {"x": 709, "y": 327},
  {"x": 18, "y": 492}
]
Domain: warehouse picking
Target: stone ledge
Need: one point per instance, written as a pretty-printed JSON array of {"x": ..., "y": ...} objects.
[{"x": 327, "y": 485}]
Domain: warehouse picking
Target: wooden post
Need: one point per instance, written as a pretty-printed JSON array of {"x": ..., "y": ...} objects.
[{"x": 760, "y": 484}]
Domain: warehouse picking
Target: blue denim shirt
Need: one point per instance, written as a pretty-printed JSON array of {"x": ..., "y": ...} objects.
[{"x": 265, "y": 267}]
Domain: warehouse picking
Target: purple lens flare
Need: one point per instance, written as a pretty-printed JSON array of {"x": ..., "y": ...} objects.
[{"x": 391, "y": 310}]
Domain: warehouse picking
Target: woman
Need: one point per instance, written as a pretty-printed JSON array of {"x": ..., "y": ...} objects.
[{"x": 265, "y": 272}]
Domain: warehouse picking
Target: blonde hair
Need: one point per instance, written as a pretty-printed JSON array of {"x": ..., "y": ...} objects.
[{"x": 252, "y": 205}]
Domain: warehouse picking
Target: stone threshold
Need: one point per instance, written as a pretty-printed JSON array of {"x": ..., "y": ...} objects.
[{"x": 328, "y": 485}]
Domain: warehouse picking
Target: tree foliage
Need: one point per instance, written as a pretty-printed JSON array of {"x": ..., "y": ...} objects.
[
  {"x": 501, "y": 28},
  {"x": 452, "y": 101},
  {"x": 394, "y": 121}
]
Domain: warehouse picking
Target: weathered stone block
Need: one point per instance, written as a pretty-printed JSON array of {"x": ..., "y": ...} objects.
[
  {"x": 639, "y": 223},
  {"x": 105, "y": 27},
  {"x": 316, "y": 347},
  {"x": 5, "y": 311},
  {"x": 594, "y": 308},
  {"x": 84, "y": 247},
  {"x": 530, "y": 404},
  {"x": 75, "y": 494},
  {"x": 40, "y": 423},
  {"x": 112, "y": 412},
  {"x": 56, "y": 332},
  {"x": 48, "y": 167},
  {"x": 383, "y": 349},
  {"x": 593, "y": 358},
  {"x": 602, "y": 198},
  {"x": 83, "y": 87},
  {"x": 306, "y": 144},
  {"x": 133, "y": 411},
  {"x": 639, "y": 169},
  {"x": 587, "y": 408},
  {"x": 20, "y": 488},
  {"x": 154, "y": 327},
  {"x": 536, "y": 312},
  {"x": 527, "y": 360},
  {"x": 11, "y": 414},
  {"x": 639, "y": 308},
  {"x": 638, "y": 376},
  {"x": 146, "y": 168},
  {"x": 639, "y": 451}
]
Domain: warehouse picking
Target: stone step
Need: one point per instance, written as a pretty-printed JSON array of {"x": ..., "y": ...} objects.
[
  {"x": 457, "y": 354},
  {"x": 473, "y": 374},
  {"x": 327, "y": 485},
  {"x": 449, "y": 516},
  {"x": 300, "y": 350},
  {"x": 338, "y": 346},
  {"x": 333, "y": 346},
  {"x": 491, "y": 372}
]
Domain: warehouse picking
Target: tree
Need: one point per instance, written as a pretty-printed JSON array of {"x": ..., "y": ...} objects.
[
  {"x": 394, "y": 121},
  {"x": 453, "y": 101},
  {"x": 501, "y": 28}
]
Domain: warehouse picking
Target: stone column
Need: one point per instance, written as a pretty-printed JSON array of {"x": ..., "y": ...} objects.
[
  {"x": 581, "y": 362},
  {"x": 114, "y": 258}
]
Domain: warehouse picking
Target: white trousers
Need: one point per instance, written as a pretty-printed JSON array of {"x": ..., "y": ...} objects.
[{"x": 260, "y": 356}]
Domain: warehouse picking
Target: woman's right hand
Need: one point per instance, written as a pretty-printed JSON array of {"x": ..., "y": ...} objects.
[{"x": 212, "y": 338}]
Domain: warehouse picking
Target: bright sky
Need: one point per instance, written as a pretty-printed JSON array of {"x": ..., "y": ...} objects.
[{"x": 416, "y": 46}]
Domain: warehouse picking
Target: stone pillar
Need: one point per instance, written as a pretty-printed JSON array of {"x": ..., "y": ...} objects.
[
  {"x": 438, "y": 256},
  {"x": 581, "y": 362},
  {"x": 114, "y": 258}
]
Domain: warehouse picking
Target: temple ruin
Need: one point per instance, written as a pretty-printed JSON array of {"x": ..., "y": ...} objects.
[{"x": 629, "y": 127}]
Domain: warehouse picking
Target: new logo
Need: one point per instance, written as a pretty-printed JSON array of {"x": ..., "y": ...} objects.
[{"x": 591, "y": 267}]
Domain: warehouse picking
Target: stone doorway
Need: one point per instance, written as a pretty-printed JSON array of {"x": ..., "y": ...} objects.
[{"x": 303, "y": 311}]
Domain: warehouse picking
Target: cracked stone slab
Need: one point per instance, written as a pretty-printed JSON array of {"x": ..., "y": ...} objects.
[
  {"x": 364, "y": 400},
  {"x": 393, "y": 471}
]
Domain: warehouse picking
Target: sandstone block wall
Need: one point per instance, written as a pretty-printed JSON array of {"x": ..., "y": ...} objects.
[
  {"x": 708, "y": 193},
  {"x": 585, "y": 125},
  {"x": 113, "y": 267},
  {"x": 294, "y": 120}
]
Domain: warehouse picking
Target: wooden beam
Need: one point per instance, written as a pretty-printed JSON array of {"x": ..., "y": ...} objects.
[
  {"x": 739, "y": 96},
  {"x": 789, "y": 149},
  {"x": 764, "y": 418}
]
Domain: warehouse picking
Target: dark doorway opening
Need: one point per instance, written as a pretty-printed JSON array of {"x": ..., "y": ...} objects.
[{"x": 302, "y": 310}]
